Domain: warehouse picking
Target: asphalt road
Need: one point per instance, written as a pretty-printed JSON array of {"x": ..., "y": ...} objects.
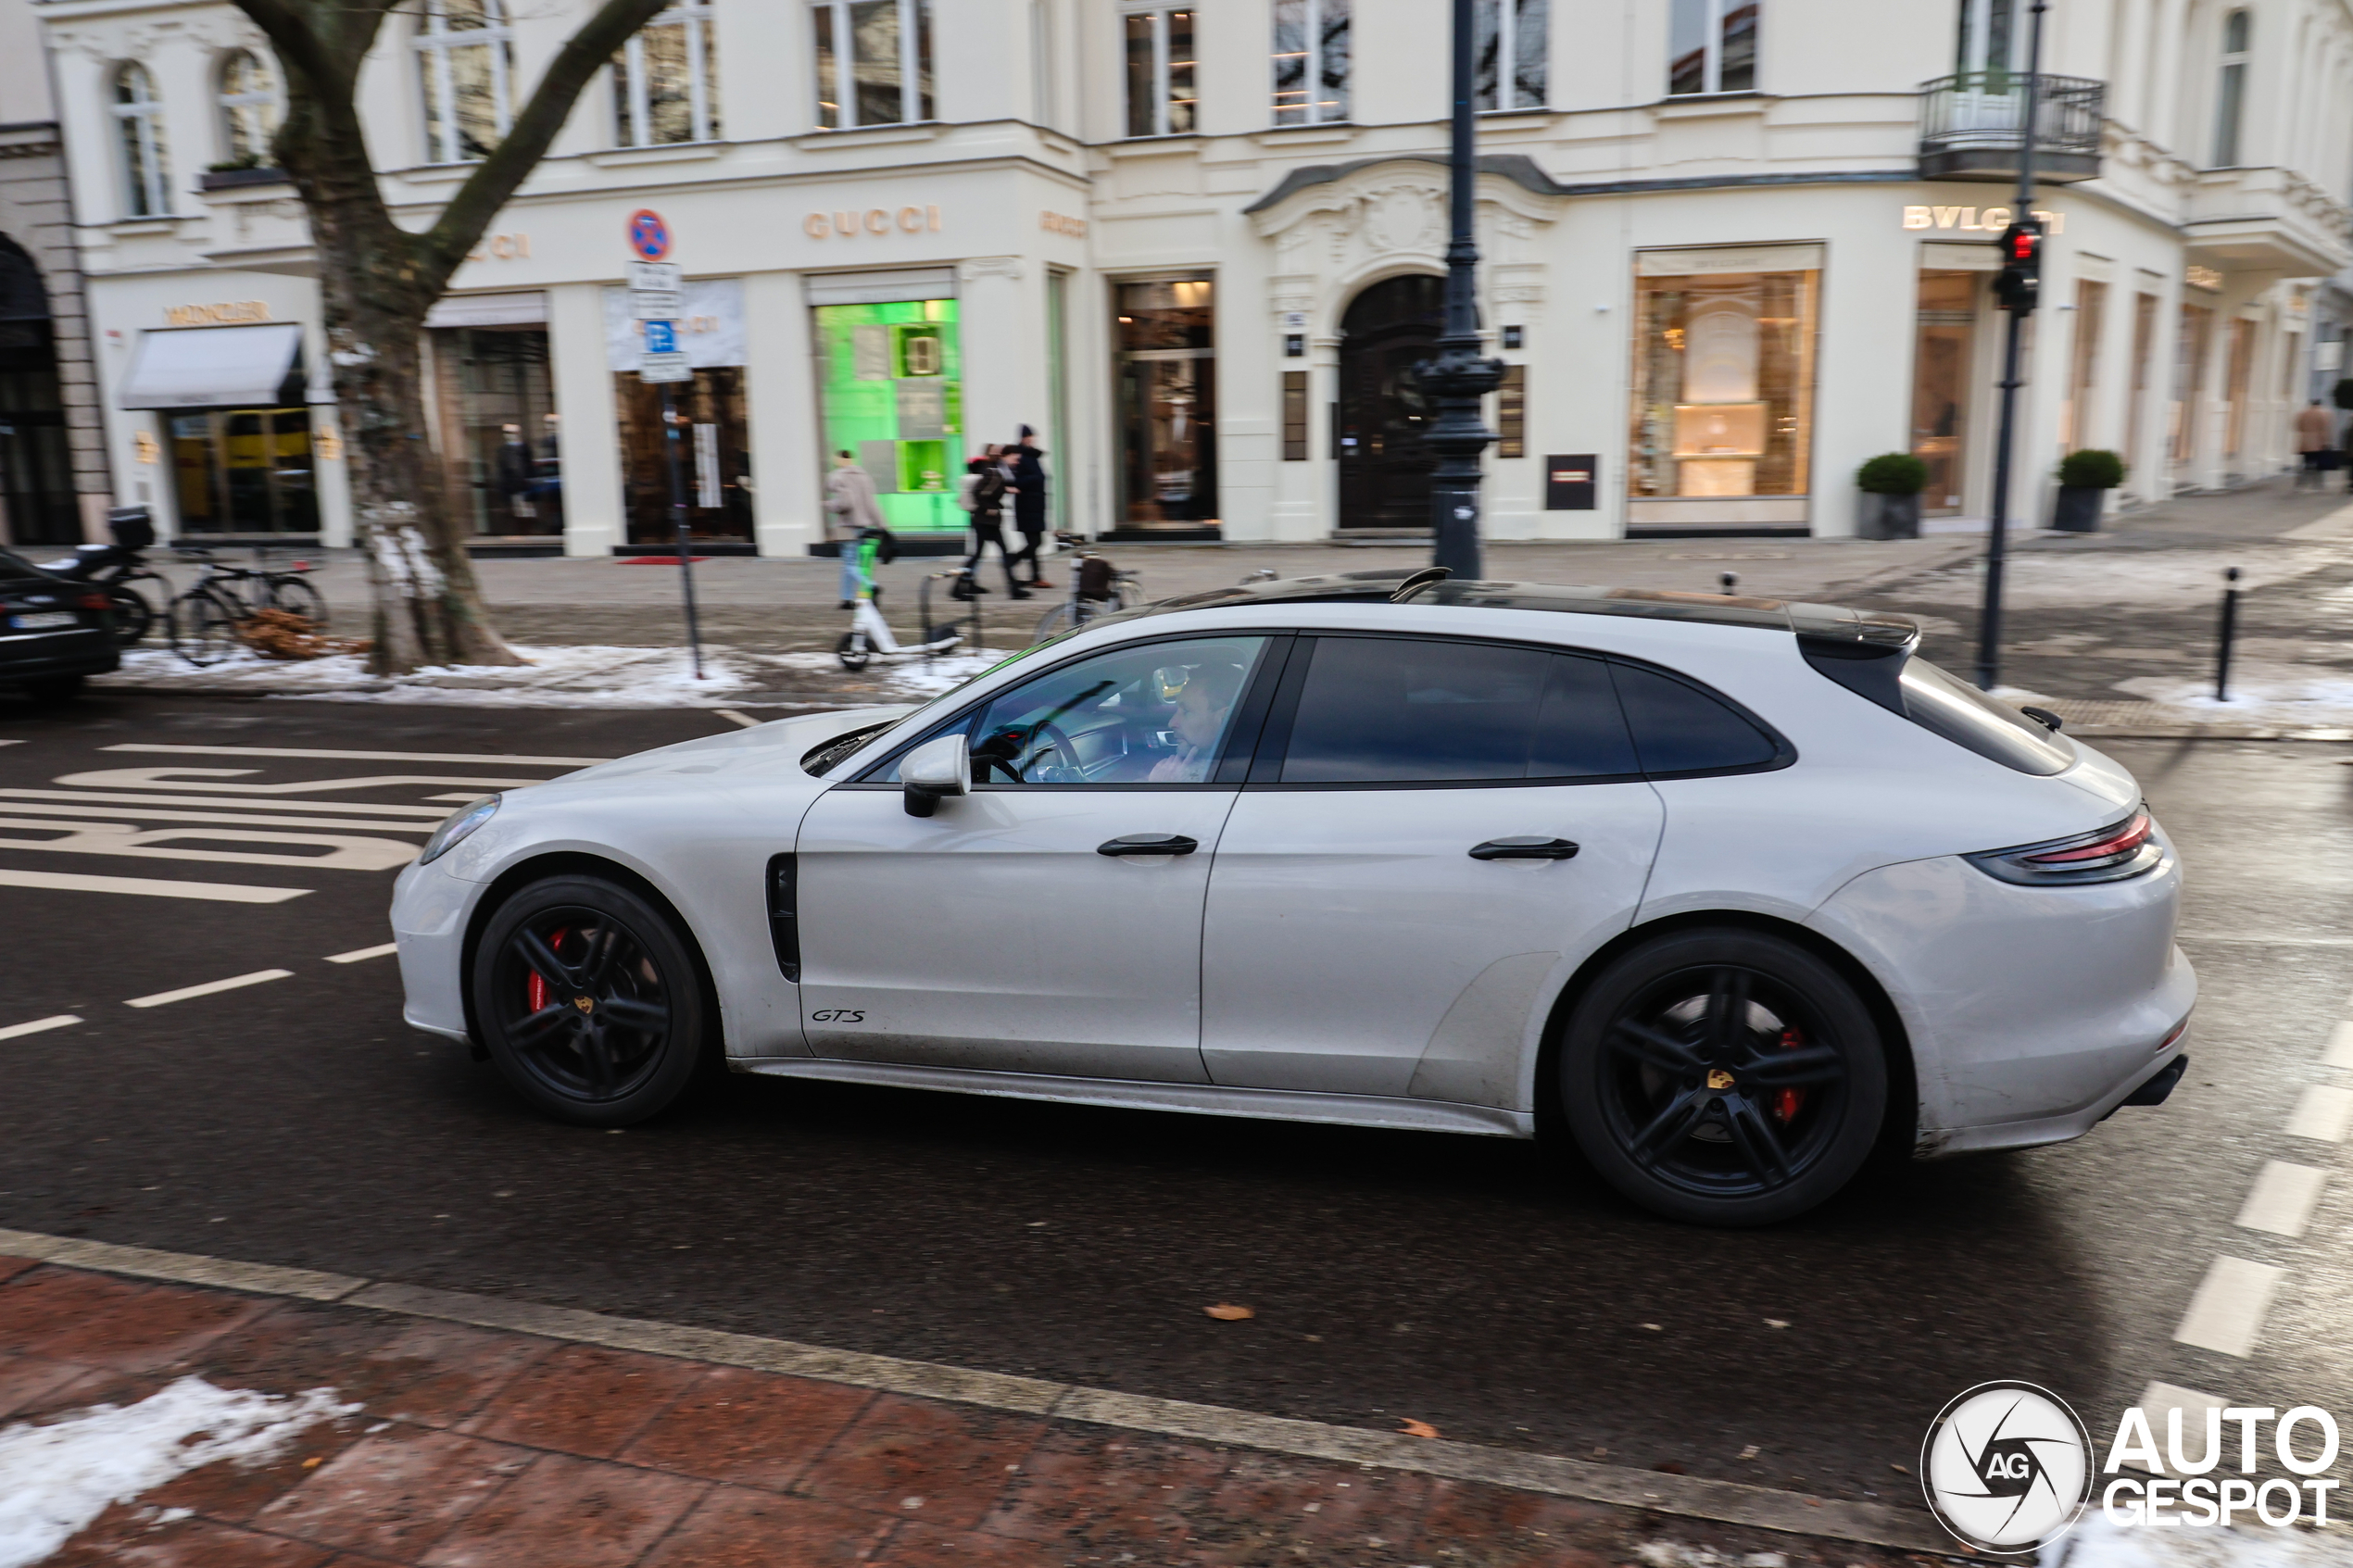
[{"x": 1467, "y": 1283}]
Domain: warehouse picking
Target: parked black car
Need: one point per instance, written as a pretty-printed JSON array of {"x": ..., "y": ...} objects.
[{"x": 53, "y": 633}]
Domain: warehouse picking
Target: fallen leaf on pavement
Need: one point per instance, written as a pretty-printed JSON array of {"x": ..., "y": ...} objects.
[
  {"x": 1225, "y": 1311},
  {"x": 1412, "y": 1428}
]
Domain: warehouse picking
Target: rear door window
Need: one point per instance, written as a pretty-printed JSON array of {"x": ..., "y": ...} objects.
[{"x": 1680, "y": 729}]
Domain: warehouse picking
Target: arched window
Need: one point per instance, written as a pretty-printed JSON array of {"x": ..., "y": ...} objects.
[
  {"x": 465, "y": 65},
  {"x": 250, "y": 109},
  {"x": 665, "y": 81},
  {"x": 139, "y": 122}
]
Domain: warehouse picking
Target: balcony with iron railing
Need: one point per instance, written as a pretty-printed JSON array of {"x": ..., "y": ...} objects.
[{"x": 1972, "y": 127}]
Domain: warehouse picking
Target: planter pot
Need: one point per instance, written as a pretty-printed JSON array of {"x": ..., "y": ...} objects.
[
  {"x": 1888, "y": 517},
  {"x": 2078, "y": 509}
]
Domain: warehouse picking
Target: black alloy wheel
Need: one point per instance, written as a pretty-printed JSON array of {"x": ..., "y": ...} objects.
[
  {"x": 589, "y": 1001},
  {"x": 1723, "y": 1077}
]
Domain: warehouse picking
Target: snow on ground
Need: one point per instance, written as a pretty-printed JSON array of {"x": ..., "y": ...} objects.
[
  {"x": 2153, "y": 579},
  {"x": 2096, "y": 1543},
  {"x": 63, "y": 1476},
  {"x": 2259, "y": 693}
]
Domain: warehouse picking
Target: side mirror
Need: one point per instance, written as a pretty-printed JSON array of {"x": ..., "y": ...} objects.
[{"x": 934, "y": 771}]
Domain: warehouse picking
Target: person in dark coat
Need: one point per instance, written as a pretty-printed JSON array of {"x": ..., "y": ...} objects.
[
  {"x": 985, "y": 488},
  {"x": 1029, "y": 503}
]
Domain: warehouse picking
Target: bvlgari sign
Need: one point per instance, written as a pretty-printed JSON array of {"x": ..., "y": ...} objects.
[{"x": 1990, "y": 219}]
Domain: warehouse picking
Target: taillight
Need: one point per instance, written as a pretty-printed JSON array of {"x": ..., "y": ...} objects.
[
  {"x": 96, "y": 601},
  {"x": 2108, "y": 854}
]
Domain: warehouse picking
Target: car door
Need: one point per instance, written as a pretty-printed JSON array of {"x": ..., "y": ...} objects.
[
  {"x": 1049, "y": 921},
  {"x": 1434, "y": 831}
]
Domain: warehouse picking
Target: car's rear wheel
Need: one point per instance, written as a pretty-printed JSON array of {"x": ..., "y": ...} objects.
[
  {"x": 53, "y": 688},
  {"x": 589, "y": 1001},
  {"x": 1723, "y": 1077}
]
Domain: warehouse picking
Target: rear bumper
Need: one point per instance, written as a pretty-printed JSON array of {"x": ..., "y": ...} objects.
[{"x": 35, "y": 656}]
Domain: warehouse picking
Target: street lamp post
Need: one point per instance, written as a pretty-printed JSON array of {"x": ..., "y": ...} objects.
[
  {"x": 1459, "y": 376},
  {"x": 2019, "y": 303}
]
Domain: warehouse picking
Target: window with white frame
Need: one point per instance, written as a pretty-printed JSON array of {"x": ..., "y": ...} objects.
[
  {"x": 466, "y": 67},
  {"x": 139, "y": 127},
  {"x": 665, "y": 81},
  {"x": 1311, "y": 61},
  {"x": 2230, "y": 90},
  {"x": 1511, "y": 54},
  {"x": 873, "y": 62},
  {"x": 1712, "y": 46},
  {"x": 250, "y": 109},
  {"x": 1160, "y": 92}
]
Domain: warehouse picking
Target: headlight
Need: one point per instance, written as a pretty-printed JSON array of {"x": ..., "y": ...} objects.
[{"x": 451, "y": 833}]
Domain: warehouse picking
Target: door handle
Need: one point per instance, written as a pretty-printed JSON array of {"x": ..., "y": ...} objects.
[
  {"x": 1525, "y": 847},
  {"x": 1148, "y": 844}
]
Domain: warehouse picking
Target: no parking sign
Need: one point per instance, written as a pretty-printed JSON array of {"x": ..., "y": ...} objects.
[{"x": 648, "y": 235}]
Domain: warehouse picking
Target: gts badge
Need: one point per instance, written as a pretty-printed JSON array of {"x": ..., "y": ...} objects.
[{"x": 837, "y": 1015}]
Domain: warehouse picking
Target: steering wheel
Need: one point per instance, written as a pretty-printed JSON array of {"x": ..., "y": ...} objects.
[{"x": 1048, "y": 740}]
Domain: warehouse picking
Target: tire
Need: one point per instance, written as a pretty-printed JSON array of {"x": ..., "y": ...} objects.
[
  {"x": 133, "y": 616},
  {"x": 636, "y": 1049},
  {"x": 296, "y": 595},
  {"x": 853, "y": 652},
  {"x": 1750, "y": 1125},
  {"x": 204, "y": 628},
  {"x": 54, "y": 689}
]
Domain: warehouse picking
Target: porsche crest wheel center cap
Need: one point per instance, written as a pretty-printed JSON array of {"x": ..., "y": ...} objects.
[
  {"x": 1718, "y": 1079},
  {"x": 586, "y": 1004}
]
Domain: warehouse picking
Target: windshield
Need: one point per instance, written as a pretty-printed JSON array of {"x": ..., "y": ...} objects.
[
  {"x": 1962, "y": 714},
  {"x": 834, "y": 753}
]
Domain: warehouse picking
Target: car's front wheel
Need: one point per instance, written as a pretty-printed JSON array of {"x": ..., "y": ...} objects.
[
  {"x": 588, "y": 1001},
  {"x": 1723, "y": 1077}
]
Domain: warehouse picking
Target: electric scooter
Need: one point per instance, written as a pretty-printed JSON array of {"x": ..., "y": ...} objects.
[{"x": 869, "y": 636}]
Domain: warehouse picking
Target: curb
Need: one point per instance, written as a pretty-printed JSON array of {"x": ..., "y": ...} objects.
[{"x": 1728, "y": 1502}]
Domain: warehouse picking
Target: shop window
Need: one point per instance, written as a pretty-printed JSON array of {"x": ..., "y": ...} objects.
[
  {"x": 2189, "y": 376},
  {"x": 244, "y": 472},
  {"x": 712, "y": 453},
  {"x": 665, "y": 81},
  {"x": 1723, "y": 381},
  {"x": 250, "y": 109},
  {"x": 892, "y": 379},
  {"x": 1161, "y": 92},
  {"x": 1511, "y": 53},
  {"x": 2230, "y": 88},
  {"x": 2083, "y": 372},
  {"x": 139, "y": 127},
  {"x": 1312, "y": 50},
  {"x": 495, "y": 400},
  {"x": 873, "y": 62},
  {"x": 1511, "y": 413},
  {"x": 2144, "y": 351},
  {"x": 1168, "y": 369},
  {"x": 1712, "y": 46},
  {"x": 2241, "y": 367},
  {"x": 1944, "y": 349},
  {"x": 465, "y": 66}
]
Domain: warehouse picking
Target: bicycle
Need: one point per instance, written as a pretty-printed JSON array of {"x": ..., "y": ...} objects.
[
  {"x": 1097, "y": 587},
  {"x": 207, "y": 619}
]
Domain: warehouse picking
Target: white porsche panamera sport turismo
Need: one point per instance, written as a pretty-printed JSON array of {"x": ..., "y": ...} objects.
[{"x": 1727, "y": 892}]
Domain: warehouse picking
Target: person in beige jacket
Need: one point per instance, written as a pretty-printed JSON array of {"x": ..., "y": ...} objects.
[
  {"x": 851, "y": 509},
  {"x": 2316, "y": 439}
]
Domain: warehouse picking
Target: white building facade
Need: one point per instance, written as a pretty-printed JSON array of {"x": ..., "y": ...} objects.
[{"x": 1731, "y": 249}]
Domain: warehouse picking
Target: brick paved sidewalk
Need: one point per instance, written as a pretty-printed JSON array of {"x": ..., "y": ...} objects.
[{"x": 475, "y": 1446}]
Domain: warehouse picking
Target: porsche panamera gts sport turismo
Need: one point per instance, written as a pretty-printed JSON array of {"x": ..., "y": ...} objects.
[{"x": 1727, "y": 892}]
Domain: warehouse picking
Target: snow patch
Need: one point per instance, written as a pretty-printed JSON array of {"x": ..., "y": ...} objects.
[
  {"x": 63, "y": 1476},
  {"x": 2096, "y": 1543},
  {"x": 2153, "y": 579},
  {"x": 2276, "y": 693}
]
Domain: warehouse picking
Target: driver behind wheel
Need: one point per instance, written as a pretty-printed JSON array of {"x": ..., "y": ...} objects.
[{"x": 1203, "y": 704}]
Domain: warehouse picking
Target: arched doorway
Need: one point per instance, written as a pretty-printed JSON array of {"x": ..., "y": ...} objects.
[
  {"x": 1384, "y": 462},
  {"x": 36, "y": 465}
]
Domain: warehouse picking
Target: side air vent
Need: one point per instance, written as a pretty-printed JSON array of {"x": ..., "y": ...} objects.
[{"x": 783, "y": 914}]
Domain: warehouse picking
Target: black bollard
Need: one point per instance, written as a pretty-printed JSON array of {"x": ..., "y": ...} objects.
[
  {"x": 1732, "y": 581},
  {"x": 2229, "y": 628}
]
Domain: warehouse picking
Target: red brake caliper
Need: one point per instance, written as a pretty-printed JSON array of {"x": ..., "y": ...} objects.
[
  {"x": 535, "y": 990},
  {"x": 1787, "y": 1102}
]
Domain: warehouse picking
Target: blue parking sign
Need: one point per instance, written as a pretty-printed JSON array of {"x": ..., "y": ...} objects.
[{"x": 661, "y": 337}]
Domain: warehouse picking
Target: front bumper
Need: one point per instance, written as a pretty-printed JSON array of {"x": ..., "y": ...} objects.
[{"x": 430, "y": 909}]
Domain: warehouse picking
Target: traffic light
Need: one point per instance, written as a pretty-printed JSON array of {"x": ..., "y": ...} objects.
[{"x": 2021, "y": 275}]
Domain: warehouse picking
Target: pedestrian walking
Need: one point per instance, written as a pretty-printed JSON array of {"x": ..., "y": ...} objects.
[
  {"x": 1028, "y": 474},
  {"x": 984, "y": 490},
  {"x": 850, "y": 510},
  {"x": 2316, "y": 441}
]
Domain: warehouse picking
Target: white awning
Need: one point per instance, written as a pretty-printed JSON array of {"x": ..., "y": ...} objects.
[{"x": 214, "y": 368}]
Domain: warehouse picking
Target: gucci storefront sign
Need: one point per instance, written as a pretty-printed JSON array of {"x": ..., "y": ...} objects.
[{"x": 872, "y": 221}]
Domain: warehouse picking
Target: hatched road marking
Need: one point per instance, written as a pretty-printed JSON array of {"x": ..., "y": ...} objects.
[
  {"x": 357, "y": 954},
  {"x": 197, "y": 779},
  {"x": 211, "y": 987},
  {"x": 346, "y": 808},
  {"x": 2322, "y": 1115},
  {"x": 2227, "y": 1313},
  {"x": 151, "y": 888},
  {"x": 355, "y": 756},
  {"x": 2283, "y": 1198},
  {"x": 39, "y": 1025},
  {"x": 224, "y": 817},
  {"x": 746, "y": 720}
]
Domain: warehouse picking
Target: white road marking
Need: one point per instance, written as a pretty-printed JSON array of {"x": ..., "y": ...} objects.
[
  {"x": 2283, "y": 1198},
  {"x": 346, "y": 852},
  {"x": 746, "y": 720},
  {"x": 226, "y": 818},
  {"x": 2340, "y": 1052},
  {"x": 2322, "y": 1115},
  {"x": 355, "y": 756},
  {"x": 2226, "y": 1314},
  {"x": 346, "y": 808},
  {"x": 2338, "y": 524},
  {"x": 16, "y": 1031},
  {"x": 357, "y": 954},
  {"x": 211, "y": 987},
  {"x": 460, "y": 798},
  {"x": 194, "y": 779},
  {"x": 11, "y": 743},
  {"x": 2160, "y": 1398},
  {"x": 150, "y": 887}
]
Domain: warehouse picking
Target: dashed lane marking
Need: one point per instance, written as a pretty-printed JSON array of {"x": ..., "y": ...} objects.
[
  {"x": 2322, "y": 1115},
  {"x": 39, "y": 1025},
  {"x": 151, "y": 888},
  {"x": 355, "y": 756},
  {"x": 211, "y": 987},
  {"x": 2283, "y": 1198},
  {"x": 2226, "y": 1314},
  {"x": 357, "y": 954},
  {"x": 343, "y": 807},
  {"x": 746, "y": 720}
]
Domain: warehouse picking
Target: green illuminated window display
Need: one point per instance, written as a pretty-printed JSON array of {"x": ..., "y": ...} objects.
[{"x": 892, "y": 386}]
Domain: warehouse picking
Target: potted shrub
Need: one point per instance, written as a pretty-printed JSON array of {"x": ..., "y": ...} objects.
[
  {"x": 1891, "y": 485},
  {"x": 2085, "y": 478}
]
